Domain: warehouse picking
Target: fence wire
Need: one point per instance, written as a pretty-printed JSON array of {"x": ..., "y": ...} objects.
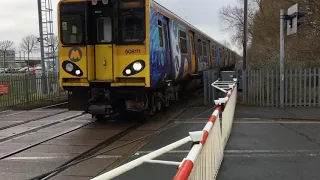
[{"x": 27, "y": 91}]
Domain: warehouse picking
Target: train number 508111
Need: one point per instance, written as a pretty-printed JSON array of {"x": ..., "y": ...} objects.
[{"x": 132, "y": 51}]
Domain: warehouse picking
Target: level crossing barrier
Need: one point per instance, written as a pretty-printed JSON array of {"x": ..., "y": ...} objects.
[{"x": 204, "y": 159}]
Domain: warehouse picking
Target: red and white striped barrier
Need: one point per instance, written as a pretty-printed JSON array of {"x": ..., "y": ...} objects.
[{"x": 205, "y": 157}]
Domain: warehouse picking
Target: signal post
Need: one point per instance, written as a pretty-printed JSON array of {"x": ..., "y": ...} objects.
[{"x": 293, "y": 19}]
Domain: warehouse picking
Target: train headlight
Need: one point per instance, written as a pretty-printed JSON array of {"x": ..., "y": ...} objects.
[
  {"x": 134, "y": 68},
  {"x": 72, "y": 68},
  {"x": 137, "y": 66},
  {"x": 128, "y": 71},
  {"x": 69, "y": 67},
  {"x": 78, "y": 72}
]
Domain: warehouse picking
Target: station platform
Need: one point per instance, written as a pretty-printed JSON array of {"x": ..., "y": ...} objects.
[{"x": 264, "y": 143}]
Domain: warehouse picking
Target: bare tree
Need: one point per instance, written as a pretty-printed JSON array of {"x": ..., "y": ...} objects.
[
  {"x": 232, "y": 19},
  {"x": 5, "y": 46},
  {"x": 301, "y": 49},
  {"x": 29, "y": 44},
  {"x": 53, "y": 44}
]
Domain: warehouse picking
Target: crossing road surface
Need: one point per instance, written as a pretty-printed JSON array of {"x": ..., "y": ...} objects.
[
  {"x": 257, "y": 149},
  {"x": 273, "y": 149}
]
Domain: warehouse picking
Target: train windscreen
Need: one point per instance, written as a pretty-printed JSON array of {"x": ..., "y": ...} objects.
[
  {"x": 132, "y": 21},
  {"x": 72, "y": 23}
]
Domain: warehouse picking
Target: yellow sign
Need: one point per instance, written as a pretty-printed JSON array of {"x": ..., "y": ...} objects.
[{"x": 75, "y": 54}]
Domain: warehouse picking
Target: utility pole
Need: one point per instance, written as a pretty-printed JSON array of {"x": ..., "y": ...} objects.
[
  {"x": 293, "y": 19},
  {"x": 282, "y": 17},
  {"x": 42, "y": 47},
  {"x": 244, "y": 61}
]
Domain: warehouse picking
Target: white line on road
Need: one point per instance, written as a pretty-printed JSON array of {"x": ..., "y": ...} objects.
[
  {"x": 270, "y": 155},
  {"x": 201, "y": 121},
  {"x": 58, "y": 157},
  {"x": 273, "y": 151},
  {"x": 241, "y": 151}
]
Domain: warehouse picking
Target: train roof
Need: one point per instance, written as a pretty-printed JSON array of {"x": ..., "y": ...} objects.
[{"x": 170, "y": 14}]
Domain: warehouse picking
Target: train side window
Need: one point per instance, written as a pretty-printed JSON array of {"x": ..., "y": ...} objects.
[
  {"x": 183, "y": 42},
  {"x": 104, "y": 29},
  {"x": 160, "y": 33},
  {"x": 200, "y": 47},
  {"x": 165, "y": 34},
  {"x": 205, "y": 53},
  {"x": 221, "y": 53},
  {"x": 213, "y": 51},
  {"x": 72, "y": 29}
]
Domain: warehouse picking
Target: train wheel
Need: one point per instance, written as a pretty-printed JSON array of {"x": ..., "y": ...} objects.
[
  {"x": 100, "y": 117},
  {"x": 159, "y": 106}
]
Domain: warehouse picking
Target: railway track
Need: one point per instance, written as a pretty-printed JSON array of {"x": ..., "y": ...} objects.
[
  {"x": 33, "y": 119},
  {"x": 92, "y": 152},
  {"x": 165, "y": 119},
  {"x": 14, "y": 112},
  {"x": 6, "y": 139},
  {"x": 19, "y": 131}
]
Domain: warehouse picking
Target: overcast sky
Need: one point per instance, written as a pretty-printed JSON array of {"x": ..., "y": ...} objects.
[{"x": 20, "y": 17}]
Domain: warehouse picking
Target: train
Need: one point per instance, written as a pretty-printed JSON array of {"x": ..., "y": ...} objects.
[{"x": 130, "y": 55}]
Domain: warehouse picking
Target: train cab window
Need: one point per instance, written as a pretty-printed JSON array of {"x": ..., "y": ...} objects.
[
  {"x": 72, "y": 29},
  {"x": 183, "y": 42},
  {"x": 132, "y": 26},
  {"x": 104, "y": 29},
  {"x": 160, "y": 33}
]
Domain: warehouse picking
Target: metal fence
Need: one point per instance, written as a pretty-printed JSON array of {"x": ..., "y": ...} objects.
[
  {"x": 210, "y": 93},
  {"x": 22, "y": 91},
  {"x": 302, "y": 87}
]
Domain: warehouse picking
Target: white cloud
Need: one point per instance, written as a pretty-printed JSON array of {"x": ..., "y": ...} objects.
[{"x": 19, "y": 18}]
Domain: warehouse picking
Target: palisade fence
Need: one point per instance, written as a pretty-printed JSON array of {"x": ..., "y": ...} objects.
[
  {"x": 26, "y": 91},
  {"x": 302, "y": 87}
]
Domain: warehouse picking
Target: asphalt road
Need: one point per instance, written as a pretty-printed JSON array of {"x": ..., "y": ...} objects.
[
  {"x": 272, "y": 151},
  {"x": 257, "y": 148}
]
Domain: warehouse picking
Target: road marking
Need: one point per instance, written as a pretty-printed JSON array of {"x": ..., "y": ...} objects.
[
  {"x": 268, "y": 155},
  {"x": 315, "y": 151},
  {"x": 201, "y": 121},
  {"x": 272, "y": 151},
  {"x": 58, "y": 157},
  {"x": 38, "y": 158}
]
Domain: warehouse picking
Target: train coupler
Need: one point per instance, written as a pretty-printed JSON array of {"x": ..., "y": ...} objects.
[{"x": 100, "y": 109}]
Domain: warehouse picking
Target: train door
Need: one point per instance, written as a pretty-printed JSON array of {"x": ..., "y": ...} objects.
[
  {"x": 103, "y": 19},
  {"x": 166, "y": 46},
  {"x": 193, "y": 52}
]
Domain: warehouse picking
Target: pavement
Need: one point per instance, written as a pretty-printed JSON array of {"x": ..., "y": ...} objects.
[
  {"x": 265, "y": 143},
  {"x": 273, "y": 143},
  {"x": 297, "y": 113}
]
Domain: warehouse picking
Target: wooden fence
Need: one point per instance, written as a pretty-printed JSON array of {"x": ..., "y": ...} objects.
[{"x": 302, "y": 87}]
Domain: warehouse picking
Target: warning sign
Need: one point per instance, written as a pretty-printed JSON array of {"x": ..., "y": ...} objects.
[{"x": 4, "y": 89}]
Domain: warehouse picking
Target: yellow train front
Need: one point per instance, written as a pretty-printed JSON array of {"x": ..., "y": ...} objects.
[{"x": 121, "y": 55}]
